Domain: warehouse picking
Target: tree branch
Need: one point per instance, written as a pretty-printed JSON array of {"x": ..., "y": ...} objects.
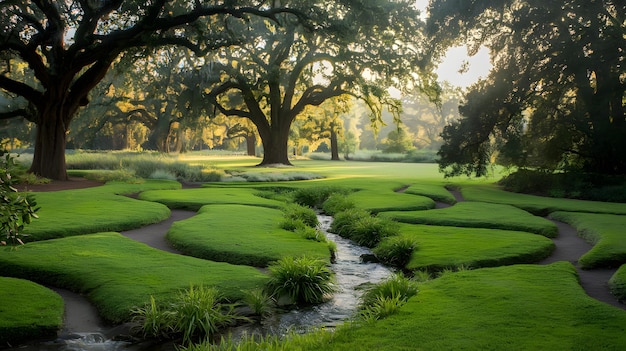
[{"x": 20, "y": 89}]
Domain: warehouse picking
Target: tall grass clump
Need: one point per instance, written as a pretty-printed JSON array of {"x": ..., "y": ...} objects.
[
  {"x": 303, "y": 213},
  {"x": 304, "y": 280},
  {"x": 337, "y": 203},
  {"x": 359, "y": 226},
  {"x": 315, "y": 196},
  {"x": 196, "y": 314},
  {"x": 312, "y": 340},
  {"x": 386, "y": 298},
  {"x": 259, "y": 301},
  {"x": 395, "y": 251}
]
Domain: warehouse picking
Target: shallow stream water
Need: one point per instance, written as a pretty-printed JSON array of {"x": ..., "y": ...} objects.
[{"x": 350, "y": 274}]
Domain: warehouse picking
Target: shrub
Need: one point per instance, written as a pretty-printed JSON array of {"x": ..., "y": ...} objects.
[
  {"x": 362, "y": 228},
  {"x": 293, "y": 224},
  {"x": 162, "y": 174},
  {"x": 337, "y": 203},
  {"x": 311, "y": 234},
  {"x": 382, "y": 307},
  {"x": 306, "y": 214},
  {"x": 154, "y": 321},
  {"x": 395, "y": 251},
  {"x": 304, "y": 280},
  {"x": 259, "y": 301},
  {"x": 314, "y": 197}
]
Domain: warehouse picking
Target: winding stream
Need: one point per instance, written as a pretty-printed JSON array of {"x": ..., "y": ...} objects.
[{"x": 350, "y": 274}]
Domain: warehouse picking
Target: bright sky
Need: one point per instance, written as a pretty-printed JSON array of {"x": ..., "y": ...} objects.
[{"x": 448, "y": 70}]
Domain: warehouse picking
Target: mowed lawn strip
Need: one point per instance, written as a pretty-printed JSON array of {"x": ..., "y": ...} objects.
[
  {"x": 478, "y": 215},
  {"x": 28, "y": 311},
  {"x": 194, "y": 199},
  {"x": 618, "y": 283},
  {"x": 436, "y": 192},
  {"x": 441, "y": 247},
  {"x": 73, "y": 212},
  {"x": 241, "y": 234},
  {"x": 118, "y": 273},
  {"x": 537, "y": 204},
  {"x": 520, "y": 307},
  {"x": 387, "y": 200},
  {"x": 606, "y": 232}
]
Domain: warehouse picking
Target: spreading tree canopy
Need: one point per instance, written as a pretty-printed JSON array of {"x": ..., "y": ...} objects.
[
  {"x": 66, "y": 47},
  {"x": 346, "y": 47},
  {"x": 555, "y": 99}
]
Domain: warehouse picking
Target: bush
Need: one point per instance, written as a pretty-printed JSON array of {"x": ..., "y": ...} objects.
[
  {"x": 305, "y": 214},
  {"x": 311, "y": 234},
  {"x": 397, "y": 286},
  {"x": 395, "y": 251},
  {"x": 360, "y": 227},
  {"x": 314, "y": 197},
  {"x": 337, "y": 203},
  {"x": 303, "y": 280},
  {"x": 259, "y": 302}
]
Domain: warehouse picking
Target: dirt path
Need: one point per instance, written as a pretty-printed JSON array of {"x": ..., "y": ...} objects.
[{"x": 154, "y": 235}]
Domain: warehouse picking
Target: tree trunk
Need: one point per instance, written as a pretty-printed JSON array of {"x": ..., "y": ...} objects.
[
  {"x": 49, "y": 154},
  {"x": 334, "y": 145},
  {"x": 275, "y": 150},
  {"x": 251, "y": 144}
]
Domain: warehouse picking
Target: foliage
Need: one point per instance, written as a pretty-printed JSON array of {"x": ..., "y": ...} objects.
[
  {"x": 196, "y": 313},
  {"x": 304, "y": 280},
  {"x": 315, "y": 196},
  {"x": 555, "y": 99},
  {"x": 313, "y": 340},
  {"x": 306, "y": 214},
  {"x": 359, "y": 226},
  {"x": 395, "y": 251},
  {"x": 311, "y": 234},
  {"x": 336, "y": 203},
  {"x": 29, "y": 311},
  {"x": 381, "y": 307},
  {"x": 397, "y": 286},
  {"x": 259, "y": 301},
  {"x": 16, "y": 210},
  {"x": 398, "y": 141}
]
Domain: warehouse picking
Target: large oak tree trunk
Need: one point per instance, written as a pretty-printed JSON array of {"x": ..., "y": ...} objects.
[
  {"x": 275, "y": 150},
  {"x": 334, "y": 145},
  {"x": 49, "y": 155},
  {"x": 251, "y": 144}
]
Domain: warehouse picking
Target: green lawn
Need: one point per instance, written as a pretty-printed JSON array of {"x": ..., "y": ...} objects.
[
  {"x": 435, "y": 191},
  {"x": 92, "y": 210},
  {"x": 521, "y": 307},
  {"x": 618, "y": 283},
  {"x": 194, "y": 199},
  {"x": 386, "y": 200},
  {"x": 241, "y": 234},
  {"x": 478, "y": 215},
  {"x": 118, "y": 273},
  {"x": 28, "y": 311},
  {"x": 536, "y": 204},
  {"x": 604, "y": 231},
  {"x": 440, "y": 247}
]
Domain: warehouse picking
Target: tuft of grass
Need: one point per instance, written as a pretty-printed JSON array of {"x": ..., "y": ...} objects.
[
  {"x": 395, "y": 251},
  {"x": 336, "y": 203},
  {"x": 395, "y": 287},
  {"x": 316, "y": 339},
  {"x": 304, "y": 280},
  {"x": 360, "y": 227},
  {"x": 604, "y": 231},
  {"x": 617, "y": 283},
  {"x": 154, "y": 320},
  {"x": 259, "y": 301},
  {"x": 304, "y": 213},
  {"x": 315, "y": 196}
]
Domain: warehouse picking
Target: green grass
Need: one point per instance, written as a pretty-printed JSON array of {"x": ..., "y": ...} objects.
[
  {"x": 436, "y": 192},
  {"x": 604, "y": 231},
  {"x": 522, "y": 307},
  {"x": 28, "y": 311},
  {"x": 478, "y": 215},
  {"x": 194, "y": 199},
  {"x": 386, "y": 200},
  {"x": 618, "y": 283},
  {"x": 92, "y": 210},
  {"x": 117, "y": 273},
  {"x": 440, "y": 247},
  {"x": 537, "y": 204},
  {"x": 240, "y": 234}
]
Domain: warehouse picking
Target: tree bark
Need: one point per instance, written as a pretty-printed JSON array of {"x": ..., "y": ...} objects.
[
  {"x": 275, "y": 150},
  {"x": 251, "y": 144},
  {"x": 49, "y": 155},
  {"x": 334, "y": 145}
]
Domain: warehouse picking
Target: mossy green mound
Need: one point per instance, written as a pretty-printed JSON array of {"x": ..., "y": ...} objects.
[
  {"x": 440, "y": 247},
  {"x": 117, "y": 273},
  {"x": 605, "y": 231},
  {"x": 241, "y": 234},
  {"x": 521, "y": 307},
  {"x": 28, "y": 311},
  {"x": 478, "y": 215},
  {"x": 618, "y": 283},
  {"x": 194, "y": 199}
]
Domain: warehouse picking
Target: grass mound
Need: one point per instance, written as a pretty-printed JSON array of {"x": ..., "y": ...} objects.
[
  {"x": 376, "y": 201},
  {"x": 618, "y": 283},
  {"x": 442, "y": 247},
  {"x": 117, "y": 273},
  {"x": 605, "y": 232},
  {"x": 29, "y": 311},
  {"x": 478, "y": 215},
  {"x": 240, "y": 234},
  {"x": 522, "y": 307},
  {"x": 194, "y": 199}
]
